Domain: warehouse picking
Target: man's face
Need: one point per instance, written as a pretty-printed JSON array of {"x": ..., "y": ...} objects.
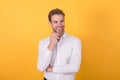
[{"x": 57, "y": 23}]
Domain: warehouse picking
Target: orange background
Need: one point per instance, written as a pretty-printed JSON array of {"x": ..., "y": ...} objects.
[{"x": 24, "y": 22}]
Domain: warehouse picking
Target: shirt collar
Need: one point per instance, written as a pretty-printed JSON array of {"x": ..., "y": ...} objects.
[{"x": 63, "y": 36}]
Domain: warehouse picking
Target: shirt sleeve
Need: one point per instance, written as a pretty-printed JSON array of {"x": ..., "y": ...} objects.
[
  {"x": 75, "y": 60},
  {"x": 44, "y": 56}
]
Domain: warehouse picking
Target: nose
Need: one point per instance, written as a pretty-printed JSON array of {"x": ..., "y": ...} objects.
[{"x": 59, "y": 24}]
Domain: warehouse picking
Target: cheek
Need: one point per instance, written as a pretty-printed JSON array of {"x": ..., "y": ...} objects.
[
  {"x": 63, "y": 24},
  {"x": 54, "y": 26}
]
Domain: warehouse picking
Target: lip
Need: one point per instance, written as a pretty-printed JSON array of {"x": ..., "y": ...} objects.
[{"x": 59, "y": 28}]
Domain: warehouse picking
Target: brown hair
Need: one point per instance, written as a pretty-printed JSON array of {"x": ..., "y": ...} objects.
[{"x": 55, "y": 11}]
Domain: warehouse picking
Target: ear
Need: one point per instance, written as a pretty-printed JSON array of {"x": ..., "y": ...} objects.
[{"x": 50, "y": 23}]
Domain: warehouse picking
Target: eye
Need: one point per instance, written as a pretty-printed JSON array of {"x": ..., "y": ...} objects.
[
  {"x": 62, "y": 21},
  {"x": 55, "y": 21}
]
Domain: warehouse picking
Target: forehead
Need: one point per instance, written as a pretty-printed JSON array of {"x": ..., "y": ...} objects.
[{"x": 57, "y": 17}]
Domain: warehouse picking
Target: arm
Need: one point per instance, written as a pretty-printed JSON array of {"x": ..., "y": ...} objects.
[
  {"x": 44, "y": 56},
  {"x": 45, "y": 52}
]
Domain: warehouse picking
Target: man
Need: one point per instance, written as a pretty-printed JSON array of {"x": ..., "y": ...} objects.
[{"x": 59, "y": 54}]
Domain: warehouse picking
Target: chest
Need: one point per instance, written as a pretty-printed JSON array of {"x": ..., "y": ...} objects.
[{"x": 64, "y": 51}]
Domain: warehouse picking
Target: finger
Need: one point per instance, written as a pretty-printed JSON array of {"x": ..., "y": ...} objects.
[{"x": 58, "y": 38}]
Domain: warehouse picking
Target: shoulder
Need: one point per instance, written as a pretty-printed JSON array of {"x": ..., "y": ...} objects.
[
  {"x": 44, "y": 40},
  {"x": 73, "y": 38},
  {"x": 74, "y": 41}
]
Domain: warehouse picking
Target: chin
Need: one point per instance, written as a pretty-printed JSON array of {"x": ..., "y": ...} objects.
[{"x": 60, "y": 32}]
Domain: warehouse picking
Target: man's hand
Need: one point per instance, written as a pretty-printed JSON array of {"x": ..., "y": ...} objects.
[
  {"x": 49, "y": 69},
  {"x": 53, "y": 40}
]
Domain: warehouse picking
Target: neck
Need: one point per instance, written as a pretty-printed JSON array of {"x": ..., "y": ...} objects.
[{"x": 61, "y": 34}]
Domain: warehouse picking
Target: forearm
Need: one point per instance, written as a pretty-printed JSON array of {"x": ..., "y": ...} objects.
[
  {"x": 68, "y": 68},
  {"x": 44, "y": 60},
  {"x": 45, "y": 53}
]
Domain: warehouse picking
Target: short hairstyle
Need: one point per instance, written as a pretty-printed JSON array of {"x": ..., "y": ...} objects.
[{"x": 55, "y": 11}]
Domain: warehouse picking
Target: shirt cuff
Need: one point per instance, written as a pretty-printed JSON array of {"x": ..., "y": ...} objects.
[{"x": 55, "y": 69}]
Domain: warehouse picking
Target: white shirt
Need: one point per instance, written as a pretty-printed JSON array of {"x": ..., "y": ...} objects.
[{"x": 65, "y": 58}]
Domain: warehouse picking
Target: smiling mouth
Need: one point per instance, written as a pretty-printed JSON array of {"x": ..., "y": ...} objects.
[{"x": 59, "y": 28}]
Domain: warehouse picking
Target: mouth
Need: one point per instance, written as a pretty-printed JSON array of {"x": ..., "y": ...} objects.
[{"x": 59, "y": 28}]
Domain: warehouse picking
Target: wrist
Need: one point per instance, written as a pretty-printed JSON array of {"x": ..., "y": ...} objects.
[
  {"x": 51, "y": 46},
  {"x": 49, "y": 69}
]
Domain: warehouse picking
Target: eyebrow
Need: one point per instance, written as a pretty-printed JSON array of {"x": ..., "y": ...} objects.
[{"x": 57, "y": 21}]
